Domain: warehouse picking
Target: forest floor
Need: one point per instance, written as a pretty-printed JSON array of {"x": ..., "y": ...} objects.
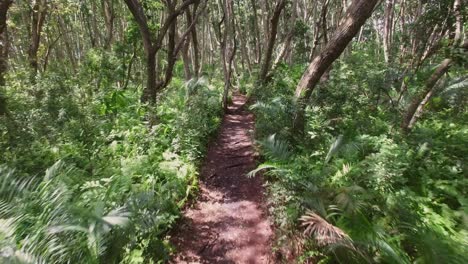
[{"x": 228, "y": 223}]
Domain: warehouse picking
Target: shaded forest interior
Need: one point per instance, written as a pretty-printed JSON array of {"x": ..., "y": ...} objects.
[{"x": 107, "y": 109}]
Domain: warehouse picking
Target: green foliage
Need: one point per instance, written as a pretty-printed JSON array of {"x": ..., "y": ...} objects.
[
  {"x": 396, "y": 198},
  {"x": 116, "y": 172}
]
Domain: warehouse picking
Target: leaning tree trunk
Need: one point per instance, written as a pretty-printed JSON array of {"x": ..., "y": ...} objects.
[
  {"x": 356, "y": 16},
  {"x": 271, "y": 40},
  {"x": 415, "y": 109}
]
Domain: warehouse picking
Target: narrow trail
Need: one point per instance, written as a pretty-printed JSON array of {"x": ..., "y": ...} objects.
[{"x": 228, "y": 223}]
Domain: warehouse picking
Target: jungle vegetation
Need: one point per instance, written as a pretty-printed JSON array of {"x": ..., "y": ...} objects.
[{"x": 107, "y": 108}]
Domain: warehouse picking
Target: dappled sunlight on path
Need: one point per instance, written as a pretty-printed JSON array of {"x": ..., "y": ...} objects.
[{"x": 228, "y": 223}]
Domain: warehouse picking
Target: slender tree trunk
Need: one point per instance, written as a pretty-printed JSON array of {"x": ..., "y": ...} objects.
[
  {"x": 67, "y": 42},
  {"x": 321, "y": 26},
  {"x": 388, "y": 27},
  {"x": 109, "y": 16},
  {"x": 271, "y": 40},
  {"x": 153, "y": 45},
  {"x": 94, "y": 23},
  {"x": 287, "y": 45},
  {"x": 415, "y": 109},
  {"x": 38, "y": 15},
  {"x": 258, "y": 46},
  {"x": 186, "y": 60},
  {"x": 228, "y": 47},
  {"x": 4, "y": 6},
  {"x": 129, "y": 68},
  {"x": 194, "y": 38},
  {"x": 357, "y": 14}
]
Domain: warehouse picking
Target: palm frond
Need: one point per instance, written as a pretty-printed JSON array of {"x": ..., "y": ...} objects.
[
  {"x": 275, "y": 148},
  {"x": 193, "y": 85},
  {"x": 334, "y": 148},
  {"x": 265, "y": 166},
  {"x": 324, "y": 233},
  {"x": 456, "y": 86},
  {"x": 347, "y": 199}
]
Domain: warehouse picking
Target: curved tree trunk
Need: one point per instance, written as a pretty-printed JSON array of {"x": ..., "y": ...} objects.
[
  {"x": 356, "y": 16},
  {"x": 271, "y": 40},
  {"x": 152, "y": 45},
  {"x": 415, "y": 109}
]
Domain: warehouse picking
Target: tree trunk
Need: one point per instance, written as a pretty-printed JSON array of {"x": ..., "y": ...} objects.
[
  {"x": 109, "y": 16},
  {"x": 256, "y": 28},
  {"x": 271, "y": 40},
  {"x": 356, "y": 16},
  {"x": 38, "y": 14},
  {"x": 228, "y": 47},
  {"x": 287, "y": 45},
  {"x": 149, "y": 93},
  {"x": 186, "y": 60},
  {"x": 4, "y": 6},
  {"x": 415, "y": 109},
  {"x": 152, "y": 47},
  {"x": 321, "y": 26},
  {"x": 387, "y": 32},
  {"x": 194, "y": 38},
  {"x": 66, "y": 40}
]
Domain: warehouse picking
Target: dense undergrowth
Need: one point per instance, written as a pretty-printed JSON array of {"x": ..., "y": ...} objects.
[
  {"x": 109, "y": 185},
  {"x": 354, "y": 188}
]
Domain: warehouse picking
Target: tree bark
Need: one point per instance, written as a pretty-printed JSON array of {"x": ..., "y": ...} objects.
[
  {"x": 194, "y": 39},
  {"x": 184, "y": 51},
  {"x": 62, "y": 28},
  {"x": 109, "y": 16},
  {"x": 388, "y": 27},
  {"x": 152, "y": 47},
  {"x": 4, "y": 6},
  {"x": 271, "y": 40},
  {"x": 321, "y": 26},
  {"x": 38, "y": 14},
  {"x": 415, "y": 109},
  {"x": 258, "y": 46},
  {"x": 356, "y": 16},
  {"x": 228, "y": 46}
]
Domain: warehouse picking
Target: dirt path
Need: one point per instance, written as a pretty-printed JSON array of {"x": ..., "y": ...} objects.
[{"x": 228, "y": 223}]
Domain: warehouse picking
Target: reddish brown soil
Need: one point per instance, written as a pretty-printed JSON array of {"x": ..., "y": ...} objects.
[{"x": 228, "y": 223}]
